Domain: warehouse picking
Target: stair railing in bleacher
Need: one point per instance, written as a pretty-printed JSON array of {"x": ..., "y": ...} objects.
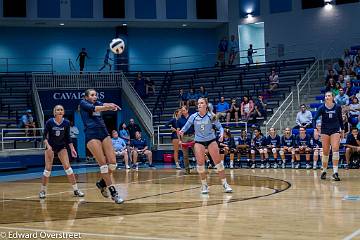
[
  {"x": 16, "y": 136},
  {"x": 140, "y": 108},
  {"x": 38, "y": 107},
  {"x": 312, "y": 74}
]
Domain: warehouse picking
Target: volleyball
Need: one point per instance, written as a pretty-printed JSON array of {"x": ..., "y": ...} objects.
[{"x": 117, "y": 45}]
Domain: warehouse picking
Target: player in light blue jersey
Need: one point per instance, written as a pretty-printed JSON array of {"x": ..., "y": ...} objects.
[{"x": 204, "y": 120}]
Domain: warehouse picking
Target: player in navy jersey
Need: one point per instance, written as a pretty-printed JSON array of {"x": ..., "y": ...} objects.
[
  {"x": 57, "y": 139},
  {"x": 243, "y": 147},
  {"x": 303, "y": 144},
  {"x": 317, "y": 146},
  {"x": 186, "y": 140},
  {"x": 98, "y": 140},
  {"x": 227, "y": 146},
  {"x": 173, "y": 125},
  {"x": 204, "y": 122},
  {"x": 273, "y": 144},
  {"x": 331, "y": 126},
  {"x": 257, "y": 145},
  {"x": 287, "y": 146}
]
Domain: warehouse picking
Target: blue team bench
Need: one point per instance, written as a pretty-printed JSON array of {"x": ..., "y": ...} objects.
[
  {"x": 309, "y": 131},
  {"x": 320, "y": 98}
]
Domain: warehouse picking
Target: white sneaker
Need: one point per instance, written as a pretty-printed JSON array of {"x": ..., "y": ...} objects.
[
  {"x": 275, "y": 165},
  {"x": 297, "y": 165},
  {"x": 262, "y": 166},
  {"x": 267, "y": 165},
  {"x": 227, "y": 188},
  {"x": 117, "y": 199},
  {"x": 253, "y": 166},
  {"x": 78, "y": 193},
  {"x": 127, "y": 167},
  {"x": 178, "y": 166},
  {"x": 292, "y": 165},
  {"x": 283, "y": 165},
  {"x": 42, "y": 194},
  {"x": 308, "y": 166},
  {"x": 315, "y": 167},
  {"x": 204, "y": 189},
  {"x": 231, "y": 164}
]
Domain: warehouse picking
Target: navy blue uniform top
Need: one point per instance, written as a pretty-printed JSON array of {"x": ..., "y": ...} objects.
[
  {"x": 58, "y": 135},
  {"x": 259, "y": 142},
  {"x": 246, "y": 141},
  {"x": 181, "y": 123},
  {"x": 305, "y": 142},
  {"x": 173, "y": 123},
  {"x": 276, "y": 141},
  {"x": 288, "y": 142},
  {"x": 230, "y": 142},
  {"x": 351, "y": 140},
  {"x": 140, "y": 144},
  {"x": 331, "y": 119},
  {"x": 90, "y": 118},
  {"x": 317, "y": 142}
]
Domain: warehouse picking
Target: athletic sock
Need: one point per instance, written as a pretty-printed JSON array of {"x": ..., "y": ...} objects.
[{"x": 75, "y": 187}]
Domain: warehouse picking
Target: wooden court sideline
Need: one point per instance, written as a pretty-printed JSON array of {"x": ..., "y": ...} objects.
[{"x": 165, "y": 204}]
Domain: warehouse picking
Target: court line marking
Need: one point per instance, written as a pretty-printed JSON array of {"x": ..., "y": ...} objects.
[
  {"x": 351, "y": 236},
  {"x": 84, "y": 233}
]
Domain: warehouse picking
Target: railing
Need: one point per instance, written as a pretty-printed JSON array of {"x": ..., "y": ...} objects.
[
  {"x": 312, "y": 74},
  {"x": 38, "y": 107},
  {"x": 163, "y": 131},
  {"x": 286, "y": 104},
  {"x": 28, "y": 142},
  {"x": 26, "y": 64},
  {"x": 77, "y": 80},
  {"x": 140, "y": 108}
]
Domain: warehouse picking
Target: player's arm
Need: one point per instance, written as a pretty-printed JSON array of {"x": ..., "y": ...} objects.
[
  {"x": 187, "y": 125},
  {"x": 46, "y": 136},
  {"x": 220, "y": 128}
]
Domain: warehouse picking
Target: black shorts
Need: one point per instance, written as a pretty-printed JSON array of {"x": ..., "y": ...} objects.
[
  {"x": 99, "y": 134},
  {"x": 206, "y": 143},
  {"x": 244, "y": 151},
  {"x": 329, "y": 132},
  {"x": 57, "y": 148}
]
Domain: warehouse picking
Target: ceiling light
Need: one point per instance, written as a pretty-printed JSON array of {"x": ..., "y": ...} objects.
[
  {"x": 184, "y": 25},
  {"x": 62, "y": 24}
]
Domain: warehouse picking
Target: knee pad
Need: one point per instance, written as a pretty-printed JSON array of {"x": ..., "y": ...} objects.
[
  {"x": 69, "y": 171},
  {"x": 261, "y": 151},
  {"x": 104, "y": 169},
  {"x": 112, "y": 166},
  {"x": 273, "y": 150},
  {"x": 222, "y": 151},
  {"x": 219, "y": 166},
  {"x": 46, "y": 173},
  {"x": 325, "y": 159},
  {"x": 281, "y": 152},
  {"x": 200, "y": 168},
  {"x": 252, "y": 151},
  {"x": 336, "y": 155}
]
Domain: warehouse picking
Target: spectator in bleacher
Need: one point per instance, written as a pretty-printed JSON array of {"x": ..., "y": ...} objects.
[
  {"x": 140, "y": 147},
  {"x": 303, "y": 146},
  {"x": 222, "y": 109},
  {"x": 350, "y": 90},
  {"x": 133, "y": 128},
  {"x": 149, "y": 86},
  {"x": 273, "y": 81},
  {"x": 331, "y": 75},
  {"x": 183, "y": 98},
  {"x": 357, "y": 71},
  {"x": 328, "y": 71},
  {"x": 139, "y": 85},
  {"x": 192, "y": 97},
  {"x": 259, "y": 108},
  {"x": 341, "y": 80},
  {"x": 234, "y": 50},
  {"x": 247, "y": 108},
  {"x": 74, "y": 133},
  {"x": 81, "y": 57},
  {"x": 331, "y": 85},
  {"x": 233, "y": 112},
  {"x": 357, "y": 58},
  {"x": 339, "y": 66},
  {"x": 342, "y": 99},
  {"x": 125, "y": 135},
  {"x": 346, "y": 76},
  {"x": 354, "y": 107},
  {"x": 250, "y": 53},
  {"x": 222, "y": 50},
  {"x": 119, "y": 146},
  {"x": 347, "y": 58},
  {"x": 336, "y": 91},
  {"x": 202, "y": 93},
  {"x": 352, "y": 145},
  {"x": 27, "y": 122},
  {"x": 303, "y": 118}
]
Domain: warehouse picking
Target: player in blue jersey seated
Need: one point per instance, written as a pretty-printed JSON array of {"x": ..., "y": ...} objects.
[
  {"x": 57, "y": 139},
  {"x": 140, "y": 147},
  {"x": 257, "y": 146},
  {"x": 204, "y": 122},
  {"x": 243, "y": 147},
  {"x": 227, "y": 147},
  {"x": 273, "y": 143},
  {"x": 287, "y": 146},
  {"x": 317, "y": 145},
  {"x": 303, "y": 145}
]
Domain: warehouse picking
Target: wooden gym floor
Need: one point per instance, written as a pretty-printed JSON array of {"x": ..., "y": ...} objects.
[{"x": 165, "y": 204}]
